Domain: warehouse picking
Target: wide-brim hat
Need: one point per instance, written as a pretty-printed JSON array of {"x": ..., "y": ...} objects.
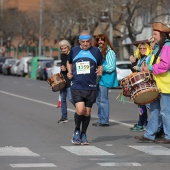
[
  {"x": 136, "y": 43},
  {"x": 158, "y": 26}
]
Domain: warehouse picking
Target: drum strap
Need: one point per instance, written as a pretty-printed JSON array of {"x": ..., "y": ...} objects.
[
  {"x": 142, "y": 60},
  {"x": 157, "y": 54}
]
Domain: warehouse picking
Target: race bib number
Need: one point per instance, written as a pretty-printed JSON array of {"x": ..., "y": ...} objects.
[{"x": 83, "y": 67}]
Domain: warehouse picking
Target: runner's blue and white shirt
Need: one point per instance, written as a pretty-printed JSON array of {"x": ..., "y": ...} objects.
[{"x": 85, "y": 63}]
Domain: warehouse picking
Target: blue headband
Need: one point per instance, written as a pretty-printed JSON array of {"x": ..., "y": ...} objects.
[{"x": 84, "y": 37}]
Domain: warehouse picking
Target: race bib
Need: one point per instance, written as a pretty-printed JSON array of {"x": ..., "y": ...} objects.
[{"x": 83, "y": 67}]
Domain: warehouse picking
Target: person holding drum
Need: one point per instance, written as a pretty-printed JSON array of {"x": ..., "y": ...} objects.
[
  {"x": 65, "y": 47},
  {"x": 84, "y": 65},
  {"x": 107, "y": 80},
  {"x": 141, "y": 55},
  {"x": 160, "y": 67}
]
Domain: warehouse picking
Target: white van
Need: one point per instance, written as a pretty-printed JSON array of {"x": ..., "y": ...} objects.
[
  {"x": 22, "y": 69},
  {"x": 55, "y": 68}
]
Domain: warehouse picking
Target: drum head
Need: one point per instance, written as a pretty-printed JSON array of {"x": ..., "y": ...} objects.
[
  {"x": 146, "y": 97},
  {"x": 59, "y": 86}
]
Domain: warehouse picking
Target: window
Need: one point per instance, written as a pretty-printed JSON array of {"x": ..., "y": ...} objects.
[{"x": 146, "y": 17}]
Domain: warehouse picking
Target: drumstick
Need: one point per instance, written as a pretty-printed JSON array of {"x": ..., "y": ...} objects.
[
  {"x": 144, "y": 63},
  {"x": 145, "y": 68}
]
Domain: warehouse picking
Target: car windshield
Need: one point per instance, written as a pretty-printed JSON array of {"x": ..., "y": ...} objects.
[
  {"x": 124, "y": 66},
  {"x": 49, "y": 64},
  {"x": 11, "y": 62},
  {"x": 57, "y": 63}
]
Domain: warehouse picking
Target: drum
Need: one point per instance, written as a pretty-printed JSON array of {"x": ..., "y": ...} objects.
[
  {"x": 124, "y": 83},
  {"x": 57, "y": 82},
  {"x": 143, "y": 88}
]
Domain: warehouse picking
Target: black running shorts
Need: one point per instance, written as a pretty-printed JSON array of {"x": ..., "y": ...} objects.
[{"x": 86, "y": 96}]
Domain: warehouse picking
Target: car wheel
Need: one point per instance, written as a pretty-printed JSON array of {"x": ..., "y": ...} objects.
[{"x": 22, "y": 74}]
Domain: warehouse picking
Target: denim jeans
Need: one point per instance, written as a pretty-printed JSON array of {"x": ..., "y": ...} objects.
[
  {"x": 159, "y": 115},
  {"x": 64, "y": 93},
  {"x": 103, "y": 105}
]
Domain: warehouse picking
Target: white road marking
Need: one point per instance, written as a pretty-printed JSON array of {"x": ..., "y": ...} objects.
[
  {"x": 49, "y": 104},
  {"x": 152, "y": 149},
  {"x": 26, "y": 98},
  {"x": 119, "y": 164},
  {"x": 86, "y": 150},
  {"x": 33, "y": 165},
  {"x": 118, "y": 122},
  {"x": 16, "y": 151},
  {"x": 43, "y": 87},
  {"x": 109, "y": 144},
  {"x": 100, "y": 159}
]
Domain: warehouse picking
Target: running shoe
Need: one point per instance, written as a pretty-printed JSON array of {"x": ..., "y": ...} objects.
[
  {"x": 84, "y": 140},
  {"x": 76, "y": 138}
]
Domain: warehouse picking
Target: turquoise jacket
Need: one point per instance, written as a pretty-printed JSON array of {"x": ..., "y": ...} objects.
[{"x": 109, "y": 76}]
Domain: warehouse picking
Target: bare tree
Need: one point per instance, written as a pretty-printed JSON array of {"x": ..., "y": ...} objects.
[
  {"x": 65, "y": 19},
  {"x": 130, "y": 17}
]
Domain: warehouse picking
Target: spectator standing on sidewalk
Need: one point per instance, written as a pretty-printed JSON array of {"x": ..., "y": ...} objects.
[
  {"x": 141, "y": 55},
  {"x": 107, "y": 80},
  {"x": 65, "y": 47}
]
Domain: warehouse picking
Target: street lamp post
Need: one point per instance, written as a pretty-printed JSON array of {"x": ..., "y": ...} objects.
[
  {"x": 2, "y": 16},
  {"x": 40, "y": 27},
  {"x": 111, "y": 20}
]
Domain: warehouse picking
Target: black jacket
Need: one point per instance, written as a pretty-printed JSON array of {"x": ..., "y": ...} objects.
[
  {"x": 64, "y": 58},
  {"x": 134, "y": 64}
]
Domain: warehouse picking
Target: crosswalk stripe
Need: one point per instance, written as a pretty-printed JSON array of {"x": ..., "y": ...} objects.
[
  {"x": 16, "y": 151},
  {"x": 119, "y": 164},
  {"x": 100, "y": 159},
  {"x": 86, "y": 150},
  {"x": 33, "y": 165},
  {"x": 152, "y": 149}
]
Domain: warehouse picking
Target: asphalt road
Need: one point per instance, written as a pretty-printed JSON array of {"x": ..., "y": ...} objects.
[{"x": 31, "y": 138}]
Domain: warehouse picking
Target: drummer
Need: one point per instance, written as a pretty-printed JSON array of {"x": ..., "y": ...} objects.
[
  {"x": 160, "y": 67},
  {"x": 141, "y": 55}
]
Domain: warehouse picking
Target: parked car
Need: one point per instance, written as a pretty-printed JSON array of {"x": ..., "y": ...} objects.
[
  {"x": 6, "y": 67},
  {"x": 42, "y": 71},
  {"x": 22, "y": 69},
  {"x": 2, "y": 60},
  {"x": 123, "y": 69},
  {"x": 55, "y": 68},
  {"x": 14, "y": 68}
]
